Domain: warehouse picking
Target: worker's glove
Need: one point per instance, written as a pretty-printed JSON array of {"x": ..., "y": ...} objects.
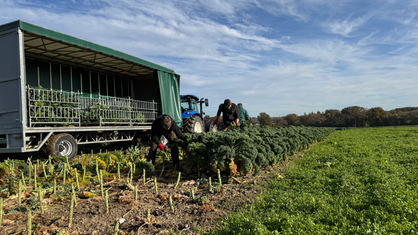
[
  {"x": 162, "y": 147},
  {"x": 187, "y": 151},
  {"x": 215, "y": 122},
  {"x": 237, "y": 123}
]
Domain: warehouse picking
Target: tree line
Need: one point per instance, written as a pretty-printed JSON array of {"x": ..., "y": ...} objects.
[{"x": 353, "y": 116}]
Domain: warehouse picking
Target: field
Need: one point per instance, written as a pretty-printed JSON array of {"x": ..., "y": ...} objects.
[
  {"x": 355, "y": 181},
  {"x": 91, "y": 193}
]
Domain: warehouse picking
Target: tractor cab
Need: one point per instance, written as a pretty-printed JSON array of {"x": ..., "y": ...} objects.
[
  {"x": 192, "y": 113},
  {"x": 191, "y": 105}
]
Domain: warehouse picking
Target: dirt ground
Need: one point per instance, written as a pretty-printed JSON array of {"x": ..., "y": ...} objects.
[{"x": 187, "y": 216}]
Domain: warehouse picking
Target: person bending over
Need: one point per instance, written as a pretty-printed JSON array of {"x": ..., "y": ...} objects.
[
  {"x": 164, "y": 126},
  {"x": 230, "y": 113}
]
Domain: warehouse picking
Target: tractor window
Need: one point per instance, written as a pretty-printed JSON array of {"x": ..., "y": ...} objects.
[
  {"x": 184, "y": 106},
  {"x": 195, "y": 107},
  {"x": 189, "y": 104}
]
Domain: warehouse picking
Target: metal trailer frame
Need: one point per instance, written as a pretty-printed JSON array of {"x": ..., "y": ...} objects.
[{"x": 19, "y": 134}]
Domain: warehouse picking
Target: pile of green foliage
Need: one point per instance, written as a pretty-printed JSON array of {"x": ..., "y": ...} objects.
[{"x": 247, "y": 149}]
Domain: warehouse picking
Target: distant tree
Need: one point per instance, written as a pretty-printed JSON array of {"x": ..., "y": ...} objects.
[
  {"x": 312, "y": 119},
  {"x": 264, "y": 119},
  {"x": 333, "y": 118},
  {"x": 292, "y": 119},
  {"x": 354, "y": 116},
  {"x": 279, "y": 121},
  {"x": 391, "y": 119},
  {"x": 375, "y": 116}
]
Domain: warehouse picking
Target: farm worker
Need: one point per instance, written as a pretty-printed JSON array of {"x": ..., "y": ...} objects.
[
  {"x": 164, "y": 126},
  {"x": 243, "y": 114},
  {"x": 230, "y": 113}
]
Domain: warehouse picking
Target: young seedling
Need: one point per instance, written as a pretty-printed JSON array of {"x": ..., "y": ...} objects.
[
  {"x": 29, "y": 224},
  {"x": 148, "y": 214},
  {"x": 50, "y": 163},
  {"x": 97, "y": 169},
  {"x": 70, "y": 216},
  {"x": 132, "y": 174},
  {"x": 30, "y": 172},
  {"x": 84, "y": 172},
  {"x": 19, "y": 200},
  {"x": 64, "y": 174},
  {"x": 12, "y": 188},
  {"x": 107, "y": 201},
  {"x": 101, "y": 182},
  {"x": 171, "y": 203},
  {"x": 41, "y": 198},
  {"x": 116, "y": 231},
  {"x": 68, "y": 163},
  {"x": 118, "y": 172},
  {"x": 23, "y": 179},
  {"x": 193, "y": 194},
  {"x": 155, "y": 185},
  {"x": 178, "y": 179},
  {"x": 1, "y": 210},
  {"x": 127, "y": 176},
  {"x": 34, "y": 178},
  {"x": 76, "y": 179},
  {"x": 73, "y": 194},
  {"x": 43, "y": 168},
  {"x": 55, "y": 185}
]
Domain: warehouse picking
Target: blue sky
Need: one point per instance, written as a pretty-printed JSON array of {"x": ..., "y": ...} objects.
[{"x": 274, "y": 56}]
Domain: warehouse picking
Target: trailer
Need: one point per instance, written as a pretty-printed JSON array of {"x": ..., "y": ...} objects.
[{"x": 58, "y": 91}]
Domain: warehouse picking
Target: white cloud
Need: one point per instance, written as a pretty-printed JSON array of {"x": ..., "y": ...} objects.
[
  {"x": 347, "y": 26},
  {"x": 281, "y": 7}
]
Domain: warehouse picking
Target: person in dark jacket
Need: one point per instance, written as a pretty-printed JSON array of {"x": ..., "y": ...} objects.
[
  {"x": 164, "y": 126},
  {"x": 230, "y": 113},
  {"x": 243, "y": 115}
]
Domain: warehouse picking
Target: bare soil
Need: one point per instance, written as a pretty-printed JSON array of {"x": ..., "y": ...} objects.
[{"x": 187, "y": 217}]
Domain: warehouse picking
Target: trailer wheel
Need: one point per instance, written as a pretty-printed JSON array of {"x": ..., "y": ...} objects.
[
  {"x": 62, "y": 145},
  {"x": 193, "y": 125}
]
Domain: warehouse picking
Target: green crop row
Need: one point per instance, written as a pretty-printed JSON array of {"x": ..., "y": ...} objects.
[{"x": 247, "y": 149}]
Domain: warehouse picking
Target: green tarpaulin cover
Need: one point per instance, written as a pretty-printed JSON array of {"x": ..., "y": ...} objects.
[{"x": 170, "y": 95}]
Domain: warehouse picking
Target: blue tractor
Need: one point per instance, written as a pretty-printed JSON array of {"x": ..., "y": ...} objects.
[{"x": 192, "y": 114}]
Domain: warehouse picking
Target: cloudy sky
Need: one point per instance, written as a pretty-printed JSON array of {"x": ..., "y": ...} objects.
[{"x": 274, "y": 56}]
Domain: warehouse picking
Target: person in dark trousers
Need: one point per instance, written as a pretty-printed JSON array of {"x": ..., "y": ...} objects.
[
  {"x": 164, "y": 126},
  {"x": 230, "y": 113},
  {"x": 243, "y": 115}
]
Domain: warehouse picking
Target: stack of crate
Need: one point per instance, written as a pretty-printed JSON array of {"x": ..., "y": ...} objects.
[{"x": 49, "y": 107}]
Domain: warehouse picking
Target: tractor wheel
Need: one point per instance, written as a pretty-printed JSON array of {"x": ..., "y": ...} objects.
[
  {"x": 193, "y": 125},
  {"x": 210, "y": 127},
  {"x": 62, "y": 145}
]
